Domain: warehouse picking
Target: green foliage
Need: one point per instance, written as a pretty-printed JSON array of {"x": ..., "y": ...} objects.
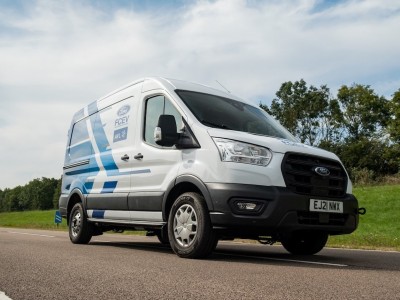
[
  {"x": 394, "y": 122},
  {"x": 299, "y": 108},
  {"x": 354, "y": 125},
  {"x": 57, "y": 194},
  {"x": 364, "y": 112},
  {"x": 37, "y": 194},
  {"x": 371, "y": 154}
]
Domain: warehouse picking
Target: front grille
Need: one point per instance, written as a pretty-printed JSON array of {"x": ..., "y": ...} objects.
[
  {"x": 300, "y": 176},
  {"x": 312, "y": 218}
]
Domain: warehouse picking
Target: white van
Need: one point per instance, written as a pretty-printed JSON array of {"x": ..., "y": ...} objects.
[{"x": 194, "y": 165}]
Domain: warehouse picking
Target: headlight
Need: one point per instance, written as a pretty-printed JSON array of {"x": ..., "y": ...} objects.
[{"x": 242, "y": 152}]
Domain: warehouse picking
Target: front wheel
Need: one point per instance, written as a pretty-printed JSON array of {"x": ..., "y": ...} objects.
[
  {"x": 80, "y": 230},
  {"x": 189, "y": 227},
  {"x": 306, "y": 243}
]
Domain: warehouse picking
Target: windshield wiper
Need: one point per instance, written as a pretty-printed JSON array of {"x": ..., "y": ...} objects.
[{"x": 214, "y": 124}]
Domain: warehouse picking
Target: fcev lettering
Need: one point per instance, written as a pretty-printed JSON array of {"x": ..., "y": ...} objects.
[{"x": 121, "y": 121}]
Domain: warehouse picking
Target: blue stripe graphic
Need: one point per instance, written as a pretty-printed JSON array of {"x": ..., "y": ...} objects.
[
  {"x": 118, "y": 173},
  {"x": 102, "y": 141},
  {"x": 98, "y": 214},
  {"x": 92, "y": 108},
  {"x": 82, "y": 171},
  {"x": 109, "y": 187},
  {"x": 88, "y": 186}
]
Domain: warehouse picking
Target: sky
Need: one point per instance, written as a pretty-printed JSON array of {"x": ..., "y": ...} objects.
[{"x": 58, "y": 56}]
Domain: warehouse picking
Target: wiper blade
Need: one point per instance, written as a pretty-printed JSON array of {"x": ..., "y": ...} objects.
[{"x": 214, "y": 124}]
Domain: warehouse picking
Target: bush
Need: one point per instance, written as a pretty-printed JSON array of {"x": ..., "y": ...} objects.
[{"x": 362, "y": 176}]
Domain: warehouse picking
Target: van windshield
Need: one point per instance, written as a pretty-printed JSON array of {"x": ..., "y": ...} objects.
[{"x": 220, "y": 112}]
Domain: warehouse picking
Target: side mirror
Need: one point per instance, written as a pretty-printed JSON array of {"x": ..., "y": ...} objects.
[{"x": 165, "y": 134}]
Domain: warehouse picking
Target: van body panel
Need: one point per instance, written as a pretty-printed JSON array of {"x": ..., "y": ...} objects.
[{"x": 127, "y": 180}]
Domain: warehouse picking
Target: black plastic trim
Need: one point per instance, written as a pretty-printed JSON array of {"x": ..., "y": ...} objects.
[
  {"x": 145, "y": 201},
  {"x": 190, "y": 179},
  {"x": 109, "y": 201},
  {"x": 281, "y": 213}
]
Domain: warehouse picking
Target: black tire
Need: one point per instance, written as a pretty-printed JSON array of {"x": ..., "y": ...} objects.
[
  {"x": 304, "y": 243},
  {"x": 162, "y": 235},
  {"x": 196, "y": 239},
  {"x": 80, "y": 230}
]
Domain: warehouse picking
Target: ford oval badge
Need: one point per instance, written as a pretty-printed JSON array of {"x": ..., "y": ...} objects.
[
  {"x": 322, "y": 171},
  {"x": 123, "y": 110}
]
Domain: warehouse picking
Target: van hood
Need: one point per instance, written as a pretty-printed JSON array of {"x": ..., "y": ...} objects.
[{"x": 275, "y": 144}]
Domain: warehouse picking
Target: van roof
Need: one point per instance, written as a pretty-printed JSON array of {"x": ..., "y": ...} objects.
[
  {"x": 170, "y": 84},
  {"x": 167, "y": 84}
]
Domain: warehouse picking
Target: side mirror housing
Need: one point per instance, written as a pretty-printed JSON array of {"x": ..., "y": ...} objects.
[{"x": 165, "y": 134}]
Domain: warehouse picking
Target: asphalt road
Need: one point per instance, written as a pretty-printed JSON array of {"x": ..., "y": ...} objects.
[{"x": 37, "y": 264}]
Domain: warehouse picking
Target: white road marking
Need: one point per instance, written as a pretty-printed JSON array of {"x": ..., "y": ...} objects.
[
  {"x": 101, "y": 241},
  {"x": 3, "y": 296},
  {"x": 33, "y": 234},
  {"x": 287, "y": 260}
]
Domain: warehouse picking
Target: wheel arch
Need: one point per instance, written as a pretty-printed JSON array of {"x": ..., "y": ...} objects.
[
  {"x": 76, "y": 196},
  {"x": 183, "y": 184}
]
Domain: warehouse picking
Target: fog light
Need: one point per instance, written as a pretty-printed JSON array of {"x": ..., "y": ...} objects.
[
  {"x": 243, "y": 206},
  {"x": 246, "y": 205}
]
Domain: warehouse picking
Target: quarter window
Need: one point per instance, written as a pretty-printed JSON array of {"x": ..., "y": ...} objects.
[{"x": 80, "y": 145}]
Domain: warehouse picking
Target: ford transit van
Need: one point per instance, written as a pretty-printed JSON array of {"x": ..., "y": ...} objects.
[{"x": 193, "y": 165}]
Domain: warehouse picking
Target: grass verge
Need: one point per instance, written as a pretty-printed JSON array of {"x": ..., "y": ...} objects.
[
  {"x": 36, "y": 219},
  {"x": 378, "y": 229}
]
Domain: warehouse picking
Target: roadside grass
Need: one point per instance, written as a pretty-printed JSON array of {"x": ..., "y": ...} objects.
[
  {"x": 35, "y": 219},
  {"x": 379, "y": 228}
]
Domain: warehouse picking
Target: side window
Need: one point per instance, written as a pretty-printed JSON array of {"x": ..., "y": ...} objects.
[
  {"x": 80, "y": 145},
  {"x": 156, "y": 106},
  {"x": 79, "y": 132}
]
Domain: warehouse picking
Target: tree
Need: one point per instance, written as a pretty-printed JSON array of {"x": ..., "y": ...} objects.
[
  {"x": 371, "y": 154},
  {"x": 1, "y": 200},
  {"x": 394, "y": 122},
  {"x": 331, "y": 124},
  {"x": 301, "y": 110},
  {"x": 13, "y": 199},
  {"x": 42, "y": 191},
  {"x": 37, "y": 194},
  {"x": 365, "y": 114},
  {"x": 57, "y": 193}
]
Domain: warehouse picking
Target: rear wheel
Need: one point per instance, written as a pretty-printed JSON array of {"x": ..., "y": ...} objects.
[
  {"x": 306, "y": 243},
  {"x": 189, "y": 227},
  {"x": 162, "y": 235},
  {"x": 80, "y": 230}
]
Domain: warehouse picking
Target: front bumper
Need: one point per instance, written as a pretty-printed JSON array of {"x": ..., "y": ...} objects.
[{"x": 283, "y": 211}]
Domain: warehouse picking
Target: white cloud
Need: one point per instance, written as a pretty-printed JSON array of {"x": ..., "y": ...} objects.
[{"x": 58, "y": 56}]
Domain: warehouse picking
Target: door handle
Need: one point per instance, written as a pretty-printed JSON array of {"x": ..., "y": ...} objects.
[
  {"x": 125, "y": 157},
  {"x": 138, "y": 156}
]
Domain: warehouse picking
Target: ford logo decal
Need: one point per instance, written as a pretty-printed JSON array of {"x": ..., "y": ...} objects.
[
  {"x": 123, "y": 110},
  {"x": 322, "y": 171}
]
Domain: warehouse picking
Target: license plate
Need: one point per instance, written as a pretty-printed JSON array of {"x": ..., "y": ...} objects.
[{"x": 326, "y": 206}]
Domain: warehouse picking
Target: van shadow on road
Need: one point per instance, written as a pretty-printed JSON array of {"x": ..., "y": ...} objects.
[{"x": 253, "y": 254}]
